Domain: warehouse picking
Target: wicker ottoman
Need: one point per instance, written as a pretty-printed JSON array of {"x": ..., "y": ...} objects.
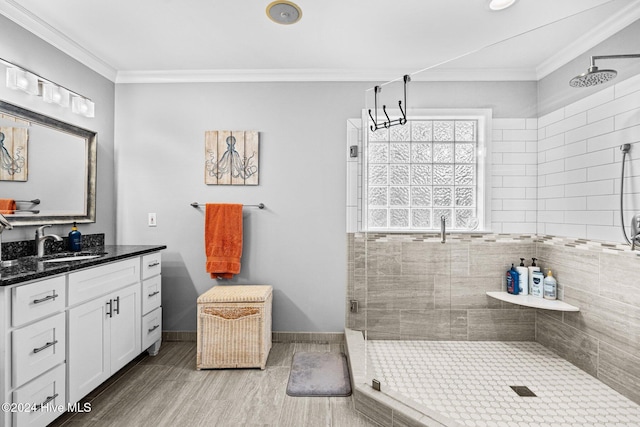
[{"x": 234, "y": 327}]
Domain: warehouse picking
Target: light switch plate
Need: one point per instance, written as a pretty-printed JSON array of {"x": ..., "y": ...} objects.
[{"x": 152, "y": 219}]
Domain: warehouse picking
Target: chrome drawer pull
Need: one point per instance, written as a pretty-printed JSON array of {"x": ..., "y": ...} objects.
[
  {"x": 154, "y": 328},
  {"x": 153, "y": 264},
  {"x": 47, "y": 298},
  {"x": 110, "y": 311},
  {"x": 154, "y": 293},
  {"x": 47, "y": 400},
  {"x": 116, "y": 309},
  {"x": 47, "y": 345}
]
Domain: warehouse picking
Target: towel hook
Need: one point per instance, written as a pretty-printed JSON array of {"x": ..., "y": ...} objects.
[{"x": 387, "y": 124}]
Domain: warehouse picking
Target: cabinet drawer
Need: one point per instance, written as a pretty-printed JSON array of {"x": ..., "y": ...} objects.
[
  {"x": 151, "y": 328},
  {"x": 43, "y": 395},
  {"x": 151, "y": 265},
  {"x": 151, "y": 294},
  {"x": 36, "y": 300},
  {"x": 37, "y": 348},
  {"x": 92, "y": 283}
]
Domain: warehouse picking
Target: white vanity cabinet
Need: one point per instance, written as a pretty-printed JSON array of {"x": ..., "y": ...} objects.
[
  {"x": 34, "y": 351},
  {"x": 104, "y": 323},
  {"x": 151, "y": 303},
  {"x": 64, "y": 335}
]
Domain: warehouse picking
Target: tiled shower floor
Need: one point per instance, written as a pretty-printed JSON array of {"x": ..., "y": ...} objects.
[{"x": 469, "y": 382}]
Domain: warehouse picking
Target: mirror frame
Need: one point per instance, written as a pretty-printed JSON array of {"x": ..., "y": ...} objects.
[{"x": 91, "y": 139}]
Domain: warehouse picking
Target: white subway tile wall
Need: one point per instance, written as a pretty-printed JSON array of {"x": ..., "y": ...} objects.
[
  {"x": 579, "y": 164},
  {"x": 514, "y": 175},
  {"x": 558, "y": 174}
]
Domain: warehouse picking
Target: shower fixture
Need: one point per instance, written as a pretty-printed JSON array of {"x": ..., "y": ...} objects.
[
  {"x": 635, "y": 221},
  {"x": 594, "y": 76}
]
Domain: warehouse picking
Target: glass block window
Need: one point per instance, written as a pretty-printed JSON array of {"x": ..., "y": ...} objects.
[{"x": 422, "y": 171}]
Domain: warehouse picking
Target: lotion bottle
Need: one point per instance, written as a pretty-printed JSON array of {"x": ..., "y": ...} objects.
[
  {"x": 75, "y": 239},
  {"x": 533, "y": 267},
  {"x": 550, "y": 287},
  {"x": 523, "y": 278},
  {"x": 536, "y": 285}
]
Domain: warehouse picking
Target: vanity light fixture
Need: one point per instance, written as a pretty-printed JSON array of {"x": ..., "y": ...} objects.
[
  {"x": 83, "y": 106},
  {"x": 22, "y": 80},
  {"x": 19, "y": 78},
  {"x": 54, "y": 94},
  {"x": 500, "y": 4}
]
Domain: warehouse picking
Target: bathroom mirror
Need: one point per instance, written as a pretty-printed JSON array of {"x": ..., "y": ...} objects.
[{"x": 47, "y": 166}]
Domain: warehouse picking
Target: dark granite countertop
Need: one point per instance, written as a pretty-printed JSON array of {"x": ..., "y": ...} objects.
[{"x": 30, "y": 268}]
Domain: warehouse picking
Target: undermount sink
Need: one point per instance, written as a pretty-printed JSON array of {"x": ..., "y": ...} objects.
[{"x": 75, "y": 257}]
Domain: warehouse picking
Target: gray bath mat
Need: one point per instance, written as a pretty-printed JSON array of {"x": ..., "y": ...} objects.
[{"x": 319, "y": 374}]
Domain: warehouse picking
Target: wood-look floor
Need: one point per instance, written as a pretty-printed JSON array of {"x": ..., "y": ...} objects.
[{"x": 167, "y": 390}]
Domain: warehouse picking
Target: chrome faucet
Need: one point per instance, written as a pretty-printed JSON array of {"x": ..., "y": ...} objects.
[{"x": 41, "y": 238}]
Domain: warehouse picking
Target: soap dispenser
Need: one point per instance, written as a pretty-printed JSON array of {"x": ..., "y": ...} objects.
[{"x": 75, "y": 239}]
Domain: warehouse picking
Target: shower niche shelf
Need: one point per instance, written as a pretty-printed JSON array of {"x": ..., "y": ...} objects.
[{"x": 535, "y": 302}]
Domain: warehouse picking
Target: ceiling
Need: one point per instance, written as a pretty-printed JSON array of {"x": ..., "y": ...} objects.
[{"x": 230, "y": 40}]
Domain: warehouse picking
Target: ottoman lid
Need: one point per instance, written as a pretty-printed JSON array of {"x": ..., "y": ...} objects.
[{"x": 240, "y": 293}]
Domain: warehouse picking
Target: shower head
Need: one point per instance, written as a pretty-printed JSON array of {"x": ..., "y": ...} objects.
[
  {"x": 595, "y": 76},
  {"x": 592, "y": 77}
]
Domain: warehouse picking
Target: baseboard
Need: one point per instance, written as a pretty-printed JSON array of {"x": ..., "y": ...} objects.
[{"x": 308, "y": 337}]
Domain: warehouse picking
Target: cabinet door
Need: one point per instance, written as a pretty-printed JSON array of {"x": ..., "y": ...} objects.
[
  {"x": 125, "y": 327},
  {"x": 88, "y": 339}
]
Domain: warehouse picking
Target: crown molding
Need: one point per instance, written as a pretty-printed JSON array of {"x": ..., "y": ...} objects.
[
  {"x": 324, "y": 75},
  {"x": 32, "y": 23},
  {"x": 623, "y": 18}
]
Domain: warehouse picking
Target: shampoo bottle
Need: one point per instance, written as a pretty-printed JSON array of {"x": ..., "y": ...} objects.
[
  {"x": 512, "y": 281},
  {"x": 523, "y": 280},
  {"x": 550, "y": 287},
  {"x": 533, "y": 267},
  {"x": 75, "y": 239}
]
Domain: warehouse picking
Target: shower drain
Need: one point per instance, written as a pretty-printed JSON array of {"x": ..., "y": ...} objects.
[{"x": 522, "y": 391}]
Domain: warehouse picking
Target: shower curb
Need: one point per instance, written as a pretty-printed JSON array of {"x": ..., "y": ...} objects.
[{"x": 382, "y": 409}]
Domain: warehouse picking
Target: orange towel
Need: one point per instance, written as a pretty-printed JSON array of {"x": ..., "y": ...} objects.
[
  {"x": 223, "y": 239},
  {"x": 7, "y": 206}
]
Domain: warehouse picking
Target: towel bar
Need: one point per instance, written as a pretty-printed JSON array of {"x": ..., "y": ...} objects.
[{"x": 259, "y": 205}]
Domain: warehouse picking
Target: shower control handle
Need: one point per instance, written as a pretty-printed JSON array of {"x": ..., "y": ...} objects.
[{"x": 635, "y": 231}]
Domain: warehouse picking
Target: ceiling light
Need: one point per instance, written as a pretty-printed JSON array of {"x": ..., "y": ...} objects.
[
  {"x": 500, "y": 4},
  {"x": 284, "y": 12}
]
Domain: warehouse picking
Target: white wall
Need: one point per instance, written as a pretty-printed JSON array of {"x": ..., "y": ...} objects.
[
  {"x": 23, "y": 48},
  {"x": 298, "y": 244}
]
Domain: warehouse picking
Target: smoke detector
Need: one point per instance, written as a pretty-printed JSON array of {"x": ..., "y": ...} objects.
[{"x": 284, "y": 12}]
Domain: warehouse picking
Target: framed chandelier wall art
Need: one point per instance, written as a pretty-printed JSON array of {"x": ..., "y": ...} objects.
[{"x": 231, "y": 157}]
